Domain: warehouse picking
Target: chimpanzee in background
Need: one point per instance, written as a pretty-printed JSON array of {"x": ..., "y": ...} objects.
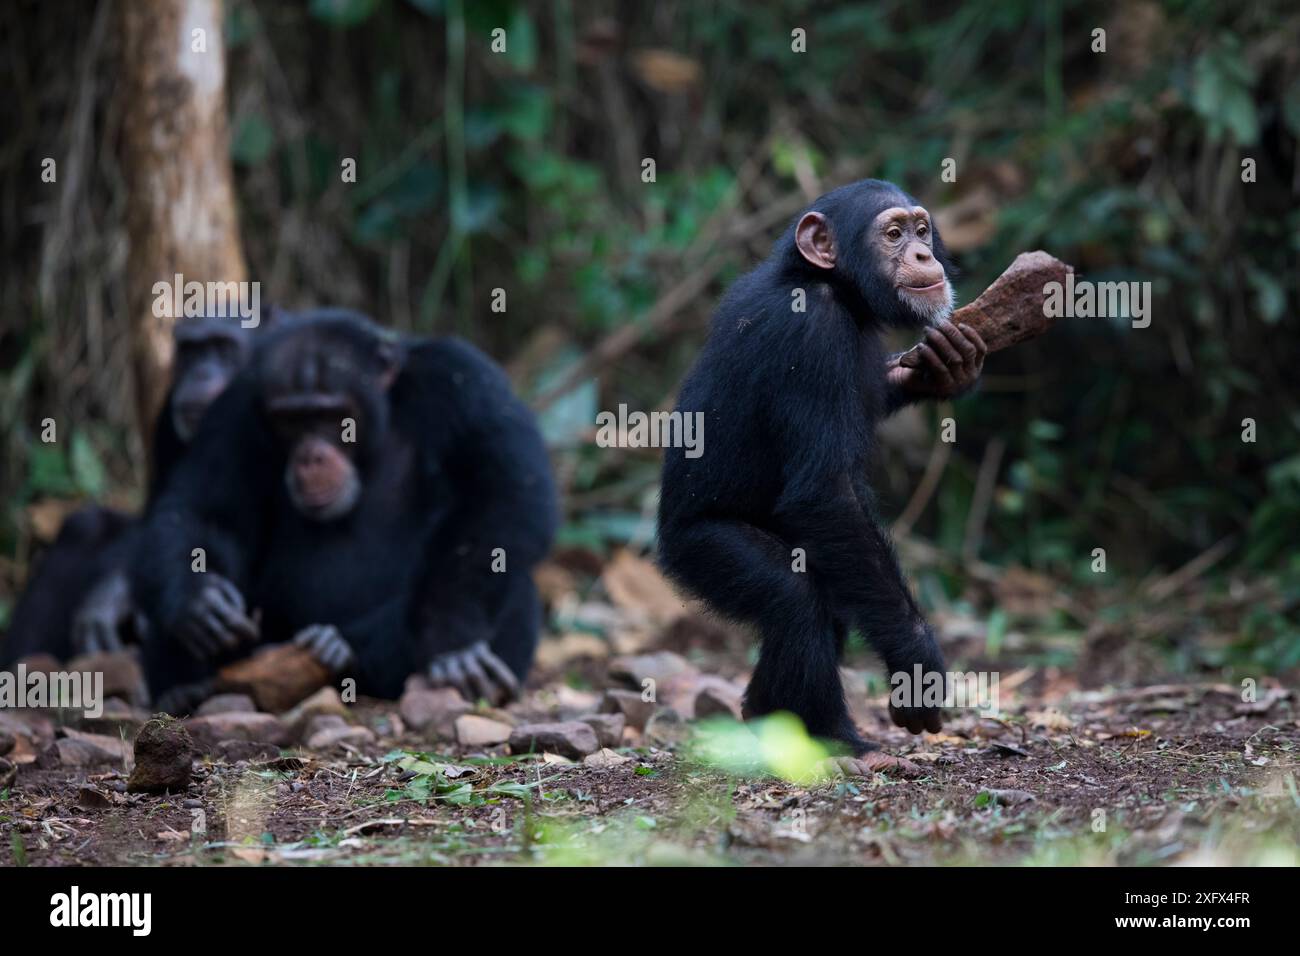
[
  {"x": 380, "y": 500},
  {"x": 79, "y": 598},
  {"x": 792, "y": 398}
]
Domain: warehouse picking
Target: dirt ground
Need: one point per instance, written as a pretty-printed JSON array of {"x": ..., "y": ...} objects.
[{"x": 1176, "y": 772}]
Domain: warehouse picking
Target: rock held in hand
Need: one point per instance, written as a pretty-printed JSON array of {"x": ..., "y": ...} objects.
[
  {"x": 164, "y": 752},
  {"x": 276, "y": 677},
  {"x": 1011, "y": 309},
  {"x": 570, "y": 738}
]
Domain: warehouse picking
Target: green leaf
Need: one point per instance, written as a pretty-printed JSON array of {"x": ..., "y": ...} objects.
[
  {"x": 87, "y": 469},
  {"x": 253, "y": 141}
]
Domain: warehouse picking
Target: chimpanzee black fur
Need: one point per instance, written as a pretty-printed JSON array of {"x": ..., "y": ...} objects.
[
  {"x": 791, "y": 401},
  {"x": 450, "y": 466}
]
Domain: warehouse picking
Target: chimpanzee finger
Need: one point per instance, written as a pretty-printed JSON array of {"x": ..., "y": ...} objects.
[
  {"x": 456, "y": 675},
  {"x": 437, "y": 674},
  {"x": 936, "y": 366},
  {"x": 934, "y": 721},
  {"x": 228, "y": 591},
  {"x": 959, "y": 341},
  {"x": 235, "y": 624},
  {"x": 980, "y": 348},
  {"x": 478, "y": 680},
  {"x": 938, "y": 341},
  {"x": 503, "y": 675}
]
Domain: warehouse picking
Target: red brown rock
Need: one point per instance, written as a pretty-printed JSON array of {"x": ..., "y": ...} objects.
[{"x": 1011, "y": 309}]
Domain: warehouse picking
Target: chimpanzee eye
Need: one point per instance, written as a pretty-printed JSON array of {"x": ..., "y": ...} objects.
[
  {"x": 894, "y": 234},
  {"x": 922, "y": 230}
]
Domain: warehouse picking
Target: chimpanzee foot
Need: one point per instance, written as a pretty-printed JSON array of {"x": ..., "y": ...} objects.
[
  {"x": 873, "y": 761},
  {"x": 476, "y": 672},
  {"x": 326, "y": 644},
  {"x": 184, "y": 698}
]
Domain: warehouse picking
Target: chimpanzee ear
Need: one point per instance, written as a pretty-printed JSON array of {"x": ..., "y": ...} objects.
[{"x": 815, "y": 241}]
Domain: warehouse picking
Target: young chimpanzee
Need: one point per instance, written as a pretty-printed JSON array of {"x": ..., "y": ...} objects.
[
  {"x": 79, "y": 599},
  {"x": 792, "y": 382},
  {"x": 380, "y": 500}
]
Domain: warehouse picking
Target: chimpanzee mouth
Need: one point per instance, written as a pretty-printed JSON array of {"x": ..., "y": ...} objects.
[{"x": 927, "y": 288}]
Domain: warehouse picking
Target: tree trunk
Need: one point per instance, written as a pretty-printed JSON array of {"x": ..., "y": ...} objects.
[{"x": 176, "y": 157}]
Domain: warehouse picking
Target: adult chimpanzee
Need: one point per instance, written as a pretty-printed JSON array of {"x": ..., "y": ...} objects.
[
  {"x": 792, "y": 396},
  {"x": 379, "y": 500},
  {"x": 79, "y": 599}
]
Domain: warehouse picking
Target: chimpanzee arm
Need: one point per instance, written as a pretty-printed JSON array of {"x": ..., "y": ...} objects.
[
  {"x": 489, "y": 458},
  {"x": 215, "y": 499}
]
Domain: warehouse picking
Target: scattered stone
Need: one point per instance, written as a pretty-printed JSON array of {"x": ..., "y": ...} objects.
[
  {"x": 249, "y": 751},
  {"x": 432, "y": 710},
  {"x": 276, "y": 677},
  {"x": 92, "y": 798},
  {"x": 164, "y": 753},
  {"x": 122, "y": 674},
  {"x": 570, "y": 738},
  {"x": 324, "y": 701},
  {"x": 660, "y": 667},
  {"x": 227, "y": 704},
  {"x": 474, "y": 731},
  {"x": 666, "y": 729},
  {"x": 1011, "y": 798},
  {"x": 605, "y": 758},
  {"x": 636, "y": 711},
  {"x": 716, "y": 697},
  {"x": 119, "y": 719},
  {"x": 257, "y": 728},
  {"x": 329, "y": 737},
  {"x": 608, "y": 728},
  {"x": 323, "y": 722},
  {"x": 78, "y": 749},
  {"x": 557, "y": 652}
]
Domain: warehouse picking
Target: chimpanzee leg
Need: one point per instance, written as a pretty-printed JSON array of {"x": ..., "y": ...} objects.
[{"x": 747, "y": 574}]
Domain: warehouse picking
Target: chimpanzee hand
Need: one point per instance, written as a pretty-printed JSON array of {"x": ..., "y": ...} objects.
[
  {"x": 98, "y": 624},
  {"x": 215, "y": 620},
  {"x": 326, "y": 644},
  {"x": 948, "y": 363},
  {"x": 476, "y": 672}
]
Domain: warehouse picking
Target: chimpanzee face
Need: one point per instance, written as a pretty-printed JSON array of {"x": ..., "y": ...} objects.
[
  {"x": 209, "y": 353},
  {"x": 882, "y": 250},
  {"x": 903, "y": 240}
]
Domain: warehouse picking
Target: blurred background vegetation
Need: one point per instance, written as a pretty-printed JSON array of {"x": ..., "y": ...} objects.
[{"x": 521, "y": 171}]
